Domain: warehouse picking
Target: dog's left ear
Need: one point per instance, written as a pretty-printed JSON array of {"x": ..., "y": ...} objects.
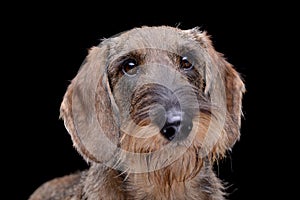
[
  {"x": 232, "y": 87},
  {"x": 89, "y": 110}
]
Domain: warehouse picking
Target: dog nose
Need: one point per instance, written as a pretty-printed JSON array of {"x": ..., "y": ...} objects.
[{"x": 176, "y": 126}]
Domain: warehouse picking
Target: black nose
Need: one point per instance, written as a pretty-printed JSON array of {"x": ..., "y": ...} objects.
[{"x": 177, "y": 125}]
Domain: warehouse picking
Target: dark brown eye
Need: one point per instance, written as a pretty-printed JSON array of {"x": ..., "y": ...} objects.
[
  {"x": 185, "y": 64},
  {"x": 130, "y": 67}
]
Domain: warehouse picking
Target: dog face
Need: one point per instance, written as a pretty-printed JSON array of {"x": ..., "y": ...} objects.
[{"x": 154, "y": 98}]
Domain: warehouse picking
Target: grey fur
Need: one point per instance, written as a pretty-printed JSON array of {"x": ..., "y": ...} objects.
[{"x": 100, "y": 100}]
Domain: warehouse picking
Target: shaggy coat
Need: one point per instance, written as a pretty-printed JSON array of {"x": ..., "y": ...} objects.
[{"x": 150, "y": 110}]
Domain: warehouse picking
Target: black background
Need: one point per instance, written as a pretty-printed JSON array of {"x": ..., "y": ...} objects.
[{"x": 47, "y": 44}]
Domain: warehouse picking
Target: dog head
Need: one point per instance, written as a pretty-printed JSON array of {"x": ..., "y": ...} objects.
[{"x": 152, "y": 98}]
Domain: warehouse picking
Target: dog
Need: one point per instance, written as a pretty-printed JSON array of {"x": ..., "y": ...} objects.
[{"x": 150, "y": 110}]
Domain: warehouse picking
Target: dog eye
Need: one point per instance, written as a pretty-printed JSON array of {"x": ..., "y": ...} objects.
[
  {"x": 129, "y": 67},
  {"x": 185, "y": 64}
]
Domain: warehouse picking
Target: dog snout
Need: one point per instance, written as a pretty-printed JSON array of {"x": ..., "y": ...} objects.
[
  {"x": 177, "y": 125},
  {"x": 170, "y": 110}
]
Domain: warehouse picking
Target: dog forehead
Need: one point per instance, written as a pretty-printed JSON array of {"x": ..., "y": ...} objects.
[{"x": 163, "y": 38}]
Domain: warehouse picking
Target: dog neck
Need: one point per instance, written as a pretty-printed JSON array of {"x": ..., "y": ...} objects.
[
  {"x": 167, "y": 184},
  {"x": 158, "y": 184}
]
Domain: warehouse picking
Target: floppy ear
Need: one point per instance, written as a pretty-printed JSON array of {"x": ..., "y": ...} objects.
[
  {"x": 89, "y": 111},
  {"x": 225, "y": 84},
  {"x": 235, "y": 88}
]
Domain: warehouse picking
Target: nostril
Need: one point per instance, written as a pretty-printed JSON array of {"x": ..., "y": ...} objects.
[
  {"x": 177, "y": 124},
  {"x": 169, "y": 131},
  {"x": 177, "y": 129}
]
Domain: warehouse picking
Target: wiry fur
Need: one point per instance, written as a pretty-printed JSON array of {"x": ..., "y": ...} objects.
[{"x": 114, "y": 120}]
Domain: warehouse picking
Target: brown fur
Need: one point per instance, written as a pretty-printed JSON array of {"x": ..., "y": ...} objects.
[{"x": 115, "y": 119}]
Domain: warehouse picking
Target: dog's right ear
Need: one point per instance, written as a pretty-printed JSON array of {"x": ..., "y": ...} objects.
[{"x": 89, "y": 111}]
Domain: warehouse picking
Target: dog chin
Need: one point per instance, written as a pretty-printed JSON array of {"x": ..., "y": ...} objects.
[
  {"x": 174, "y": 162},
  {"x": 178, "y": 159}
]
